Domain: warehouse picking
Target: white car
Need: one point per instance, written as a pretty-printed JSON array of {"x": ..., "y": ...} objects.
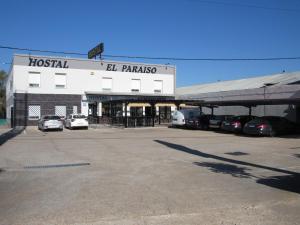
[
  {"x": 181, "y": 117},
  {"x": 76, "y": 120},
  {"x": 49, "y": 122}
]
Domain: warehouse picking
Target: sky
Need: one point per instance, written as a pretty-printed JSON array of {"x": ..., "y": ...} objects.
[{"x": 165, "y": 28}]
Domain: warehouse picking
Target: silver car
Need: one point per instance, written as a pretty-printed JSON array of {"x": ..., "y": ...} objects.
[{"x": 50, "y": 122}]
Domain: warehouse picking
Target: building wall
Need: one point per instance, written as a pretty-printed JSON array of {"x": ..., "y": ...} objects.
[
  {"x": 86, "y": 76},
  {"x": 47, "y": 103}
]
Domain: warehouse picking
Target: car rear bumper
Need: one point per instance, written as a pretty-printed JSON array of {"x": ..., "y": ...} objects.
[
  {"x": 53, "y": 127},
  {"x": 79, "y": 124},
  {"x": 232, "y": 129},
  {"x": 214, "y": 126},
  {"x": 255, "y": 131}
]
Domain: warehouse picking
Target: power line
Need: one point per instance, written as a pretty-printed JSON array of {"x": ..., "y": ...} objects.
[
  {"x": 156, "y": 58},
  {"x": 249, "y": 6}
]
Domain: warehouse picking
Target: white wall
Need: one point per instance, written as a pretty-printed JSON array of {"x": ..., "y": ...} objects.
[{"x": 81, "y": 81}]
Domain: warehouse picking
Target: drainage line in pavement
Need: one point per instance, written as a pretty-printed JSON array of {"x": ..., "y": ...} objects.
[{"x": 56, "y": 166}]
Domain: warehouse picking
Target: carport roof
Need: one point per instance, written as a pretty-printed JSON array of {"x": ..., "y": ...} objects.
[{"x": 241, "y": 84}]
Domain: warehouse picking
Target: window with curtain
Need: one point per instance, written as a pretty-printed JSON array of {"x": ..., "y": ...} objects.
[
  {"x": 60, "y": 80},
  {"x": 106, "y": 83},
  {"x": 158, "y": 86},
  {"x": 135, "y": 85},
  {"x": 34, "y": 79}
]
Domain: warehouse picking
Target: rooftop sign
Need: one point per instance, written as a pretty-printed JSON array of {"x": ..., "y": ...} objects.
[{"x": 98, "y": 50}]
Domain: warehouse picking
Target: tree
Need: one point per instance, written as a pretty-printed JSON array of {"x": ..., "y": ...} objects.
[{"x": 3, "y": 76}]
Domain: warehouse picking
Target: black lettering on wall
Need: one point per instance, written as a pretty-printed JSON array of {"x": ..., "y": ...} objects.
[
  {"x": 148, "y": 70},
  {"x": 134, "y": 69},
  {"x": 108, "y": 68},
  {"x": 32, "y": 62},
  {"x": 47, "y": 63},
  {"x": 40, "y": 62},
  {"x": 53, "y": 62},
  {"x": 140, "y": 70},
  {"x": 58, "y": 65},
  {"x": 124, "y": 67},
  {"x": 153, "y": 70},
  {"x": 65, "y": 65}
]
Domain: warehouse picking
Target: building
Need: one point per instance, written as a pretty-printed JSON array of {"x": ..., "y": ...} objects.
[
  {"x": 40, "y": 85},
  {"x": 135, "y": 94}
]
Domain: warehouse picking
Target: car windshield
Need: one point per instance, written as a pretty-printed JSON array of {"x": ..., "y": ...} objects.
[
  {"x": 271, "y": 118},
  {"x": 79, "y": 116},
  {"x": 51, "y": 118}
]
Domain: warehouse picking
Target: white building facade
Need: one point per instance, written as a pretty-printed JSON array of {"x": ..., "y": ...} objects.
[{"x": 40, "y": 85}]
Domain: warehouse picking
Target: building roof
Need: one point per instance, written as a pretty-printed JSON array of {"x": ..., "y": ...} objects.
[{"x": 242, "y": 84}]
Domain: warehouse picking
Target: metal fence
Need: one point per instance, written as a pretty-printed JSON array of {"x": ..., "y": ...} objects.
[{"x": 130, "y": 121}]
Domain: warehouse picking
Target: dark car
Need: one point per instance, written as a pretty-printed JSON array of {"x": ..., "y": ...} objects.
[
  {"x": 200, "y": 122},
  {"x": 215, "y": 122},
  {"x": 269, "y": 126},
  {"x": 236, "y": 123}
]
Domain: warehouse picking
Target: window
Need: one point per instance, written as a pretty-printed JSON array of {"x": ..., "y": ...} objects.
[
  {"x": 74, "y": 109},
  {"x": 60, "y": 80},
  {"x": 106, "y": 84},
  {"x": 34, "y": 79},
  {"x": 34, "y": 112},
  {"x": 60, "y": 111},
  {"x": 158, "y": 85},
  {"x": 135, "y": 85}
]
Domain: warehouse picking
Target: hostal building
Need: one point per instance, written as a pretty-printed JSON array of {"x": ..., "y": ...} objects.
[{"x": 40, "y": 85}]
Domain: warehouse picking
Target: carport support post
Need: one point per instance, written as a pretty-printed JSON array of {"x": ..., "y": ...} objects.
[
  {"x": 250, "y": 110},
  {"x": 153, "y": 112},
  {"x": 212, "y": 110},
  {"x": 200, "y": 108},
  {"x": 159, "y": 114},
  {"x": 126, "y": 120}
]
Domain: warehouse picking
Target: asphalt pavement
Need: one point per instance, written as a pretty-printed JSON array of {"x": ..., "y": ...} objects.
[{"x": 148, "y": 176}]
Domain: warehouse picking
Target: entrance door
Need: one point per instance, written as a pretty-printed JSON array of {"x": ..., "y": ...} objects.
[
  {"x": 93, "y": 109},
  {"x": 93, "y": 118}
]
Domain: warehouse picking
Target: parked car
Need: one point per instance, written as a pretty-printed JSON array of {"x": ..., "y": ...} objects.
[
  {"x": 180, "y": 117},
  {"x": 76, "y": 120},
  {"x": 269, "y": 126},
  {"x": 200, "y": 122},
  {"x": 215, "y": 122},
  {"x": 50, "y": 122},
  {"x": 236, "y": 123}
]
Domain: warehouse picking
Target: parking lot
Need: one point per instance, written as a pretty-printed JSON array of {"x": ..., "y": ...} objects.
[{"x": 148, "y": 176}]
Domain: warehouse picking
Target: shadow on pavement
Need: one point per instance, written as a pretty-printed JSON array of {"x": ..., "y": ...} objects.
[
  {"x": 288, "y": 183},
  {"x": 236, "y": 153},
  {"x": 10, "y": 134},
  {"x": 297, "y": 155},
  {"x": 211, "y": 156},
  {"x": 233, "y": 170}
]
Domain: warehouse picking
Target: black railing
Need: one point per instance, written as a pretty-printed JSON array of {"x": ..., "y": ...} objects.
[{"x": 130, "y": 121}]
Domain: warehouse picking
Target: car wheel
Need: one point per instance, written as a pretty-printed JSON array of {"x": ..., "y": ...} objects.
[{"x": 272, "y": 133}]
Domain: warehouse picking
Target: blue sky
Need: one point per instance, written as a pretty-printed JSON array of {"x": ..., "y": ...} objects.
[{"x": 182, "y": 28}]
